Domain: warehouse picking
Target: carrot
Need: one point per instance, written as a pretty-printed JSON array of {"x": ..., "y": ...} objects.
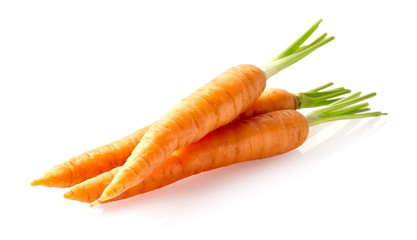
[
  {"x": 259, "y": 137},
  {"x": 105, "y": 158},
  {"x": 273, "y": 99},
  {"x": 91, "y": 163},
  {"x": 213, "y": 105}
]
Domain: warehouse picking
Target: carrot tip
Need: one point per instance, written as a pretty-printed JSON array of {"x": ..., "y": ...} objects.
[
  {"x": 68, "y": 195},
  {"x": 93, "y": 204},
  {"x": 36, "y": 182}
]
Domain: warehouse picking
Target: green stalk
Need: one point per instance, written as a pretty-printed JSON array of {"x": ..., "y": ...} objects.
[
  {"x": 315, "y": 41},
  {"x": 295, "y": 51},
  {"x": 321, "y": 87},
  {"x": 296, "y": 45},
  {"x": 343, "y": 108},
  {"x": 316, "y": 97},
  {"x": 344, "y": 117}
]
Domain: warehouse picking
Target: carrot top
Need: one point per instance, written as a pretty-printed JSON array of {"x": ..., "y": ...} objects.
[
  {"x": 316, "y": 97},
  {"x": 344, "y": 108},
  {"x": 295, "y": 51}
]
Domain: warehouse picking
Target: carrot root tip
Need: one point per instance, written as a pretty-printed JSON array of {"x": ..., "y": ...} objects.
[
  {"x": 95, "y": 203},
  {"x": 36, "y": 182},
  {"x": 68, "y": 195}
]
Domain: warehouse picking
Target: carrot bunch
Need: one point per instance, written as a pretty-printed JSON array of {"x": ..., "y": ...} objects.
[{"x": 231, "y": 119}]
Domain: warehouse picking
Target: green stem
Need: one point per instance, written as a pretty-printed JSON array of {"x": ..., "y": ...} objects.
[
  {"x": 295, "y": 51},
  {"x": 295, "y": 45},
  {"x": 343, "y": 108},
  {"x": 344, "y": 103},
  {"x": 314, "y": 42},
  {"x": 315, "y": 97},
  {"x": 359, "y": 110},
  {"x": 344, "y": 117},
  {"x": 348, "y": 98},
  {"x": 321, "y": 87}
]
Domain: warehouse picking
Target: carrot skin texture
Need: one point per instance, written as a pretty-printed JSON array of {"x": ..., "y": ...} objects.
[
  {"x": 106, "y": 157},
  {"x": 210, "y": 107},
  {"x": 91, "y": 163},
  {"x": 262, "y": 136},
  {"x": 271, "y": 99}
]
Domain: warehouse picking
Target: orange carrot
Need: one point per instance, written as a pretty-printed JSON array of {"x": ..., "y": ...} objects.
[
  {"x": 105, "y": 158},
  {"x": 273, "y": 99},
  {"x": 259, "y": 137},
  {"x": 262, "y": 136},
  {"x": 91, "y": 163},
  {"x": 210, "y": 107}
]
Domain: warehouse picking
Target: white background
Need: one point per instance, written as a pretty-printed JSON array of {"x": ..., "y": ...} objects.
[{"x": 78, "y": 74}]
